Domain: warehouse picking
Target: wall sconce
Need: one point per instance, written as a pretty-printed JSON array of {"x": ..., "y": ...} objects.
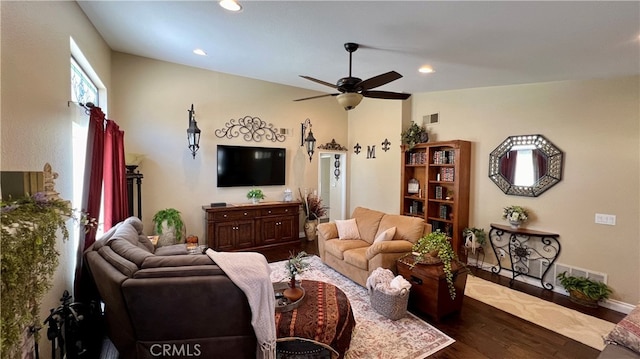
[
  {"x": 310, "y": 141},
  {"x": 193, "y": 133}
]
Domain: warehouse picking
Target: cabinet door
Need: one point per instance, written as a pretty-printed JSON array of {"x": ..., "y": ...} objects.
[
  {"x": 244, "y": 234},
  {"x": 224, "y": 235},
  {"x": 277, "y": 229},
  {"x": 287, "y": 228}
]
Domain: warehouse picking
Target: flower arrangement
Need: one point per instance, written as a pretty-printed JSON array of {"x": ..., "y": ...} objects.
[
  {"x": 441, "y": 243},
  {"x": 413, "y": 135},
  {"x": 312, "y": 206},
  {"x": 30, "y": 228},
  {"x": 515, "y": 214},
  {"x": 296, "y": 264}
]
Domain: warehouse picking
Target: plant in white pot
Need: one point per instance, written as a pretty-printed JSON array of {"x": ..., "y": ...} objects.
[
  {"x": 255, "y": 195},
  {"x": 168, "y": 225}
]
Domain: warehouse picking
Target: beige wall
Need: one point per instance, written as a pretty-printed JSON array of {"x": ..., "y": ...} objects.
[
  {"x": 597, "y": 125},
  {"x": 35, "y": 120},
  {"x": 151, "y": 99}
]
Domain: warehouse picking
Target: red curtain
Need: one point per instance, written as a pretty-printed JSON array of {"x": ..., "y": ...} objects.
[
  {"x": 94, "y": 170},
  {"x": 116, "y": 206}
]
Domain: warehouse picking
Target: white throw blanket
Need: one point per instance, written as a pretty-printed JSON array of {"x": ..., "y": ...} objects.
[
  {"x": 383, "y": 280},
  {"x": 251, "y": 273}
]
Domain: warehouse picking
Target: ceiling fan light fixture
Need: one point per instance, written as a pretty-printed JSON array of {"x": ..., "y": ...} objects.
[
  {"x": 231, "y": 5},
  {"x": 349, "y": 100}
]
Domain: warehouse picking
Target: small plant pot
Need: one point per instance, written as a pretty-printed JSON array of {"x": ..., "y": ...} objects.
[{"x": 580, "y": 298}]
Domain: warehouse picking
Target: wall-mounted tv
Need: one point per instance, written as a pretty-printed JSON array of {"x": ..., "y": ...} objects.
[{"x": 251, "y": 166}]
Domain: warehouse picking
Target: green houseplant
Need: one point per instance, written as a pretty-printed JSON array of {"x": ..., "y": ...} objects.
[
  {"x": 296, "y": 264},
  {"x": 169, "y": 225},
  {"x": 583, "y": 290},
  {"x": 413, "y": 135},
  {"x": 438, "y": 244},
  {"x": 30, "y": 229},
  {"x": 255, "y": 195}
]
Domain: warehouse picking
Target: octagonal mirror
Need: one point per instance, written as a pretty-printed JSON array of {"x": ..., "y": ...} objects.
[{"x": 526, "y": 165}]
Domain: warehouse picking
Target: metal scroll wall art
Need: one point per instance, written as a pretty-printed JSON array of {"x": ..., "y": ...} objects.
[{"x": 251, "y": 129}]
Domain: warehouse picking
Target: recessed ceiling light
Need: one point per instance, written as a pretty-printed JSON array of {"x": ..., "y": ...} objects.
[
  {"x": 199, "y": 52},
  {"x": 231, "y": 5},
  {"x": 426, "y": 69}
]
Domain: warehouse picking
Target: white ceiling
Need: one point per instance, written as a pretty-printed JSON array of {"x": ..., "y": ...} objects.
[{"x": 469, "y": 44}]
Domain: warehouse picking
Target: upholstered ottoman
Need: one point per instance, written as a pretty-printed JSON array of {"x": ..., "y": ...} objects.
[{"x": 324, "y": 318}]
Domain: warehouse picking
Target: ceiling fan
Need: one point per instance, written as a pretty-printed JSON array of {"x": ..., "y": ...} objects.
[{"x": 353, "y": 89}]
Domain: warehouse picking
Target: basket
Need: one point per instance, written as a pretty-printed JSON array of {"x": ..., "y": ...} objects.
[{"x": 391, "y": 306}]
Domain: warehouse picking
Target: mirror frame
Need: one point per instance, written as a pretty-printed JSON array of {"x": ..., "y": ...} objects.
[{"x": 554, "y": 155}]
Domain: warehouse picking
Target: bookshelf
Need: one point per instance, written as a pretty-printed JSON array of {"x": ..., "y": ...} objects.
[{"x": 442, "y": 170}]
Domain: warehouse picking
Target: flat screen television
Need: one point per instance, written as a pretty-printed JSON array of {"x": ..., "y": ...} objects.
[{"x": 251, "y": 166}]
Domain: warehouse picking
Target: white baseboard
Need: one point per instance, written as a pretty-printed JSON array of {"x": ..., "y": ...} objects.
[{"x": 612, "y": 304}]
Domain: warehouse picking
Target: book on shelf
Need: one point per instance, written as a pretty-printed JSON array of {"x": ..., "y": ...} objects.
[
  {"x": 417, "y": 158},
  {"x": 444, "y": 157},
  {"x": 447, "y": 174},
  {"x": 440, "y": 192}
]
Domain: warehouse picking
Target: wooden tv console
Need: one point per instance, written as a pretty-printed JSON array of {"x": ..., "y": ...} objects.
[{"x": 236, "y": 227}]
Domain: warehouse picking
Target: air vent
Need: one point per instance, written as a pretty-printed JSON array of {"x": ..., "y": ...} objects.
[{"x": 432, "y": 119}]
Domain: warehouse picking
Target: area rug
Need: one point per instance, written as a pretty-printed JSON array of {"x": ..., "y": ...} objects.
[
  {"x": 374, "y": 336},
  {"x": 568, "y": 322}
]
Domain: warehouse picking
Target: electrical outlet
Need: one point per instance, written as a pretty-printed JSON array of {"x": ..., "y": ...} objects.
[{"x": 608, "y": 219}]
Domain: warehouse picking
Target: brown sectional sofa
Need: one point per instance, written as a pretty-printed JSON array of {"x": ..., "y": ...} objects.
[
  {"x": 357, "y": 258},
  {"x": 166, "y": 301}
]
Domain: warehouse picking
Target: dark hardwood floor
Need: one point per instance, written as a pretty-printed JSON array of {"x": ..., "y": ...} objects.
[{"x": 482, "y": 331}]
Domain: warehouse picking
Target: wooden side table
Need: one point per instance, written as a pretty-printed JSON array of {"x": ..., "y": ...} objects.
[{"x": 429, "y": 290}]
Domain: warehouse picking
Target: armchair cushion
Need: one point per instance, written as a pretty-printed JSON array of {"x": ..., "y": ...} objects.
[
  {"x": 386, "y": 235},
  {"x": 368, "y": 221},
  {"x": 347, "y": 229},
  {"x": 408, "y": 228}
]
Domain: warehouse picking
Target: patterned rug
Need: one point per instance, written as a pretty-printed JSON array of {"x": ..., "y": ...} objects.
[
  {"x": 374, "y": 336},
  {"x": 568, "y": 322}
]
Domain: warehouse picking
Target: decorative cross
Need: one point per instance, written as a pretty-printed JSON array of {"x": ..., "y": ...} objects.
[
  {"x": 357, "y": 148},
  {"x": 385, "y": 145}
]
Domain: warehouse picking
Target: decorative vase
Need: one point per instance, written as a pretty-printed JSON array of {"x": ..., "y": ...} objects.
[
  {"x": 293, "y": 293},
  {"x": 515, "y": 224},
  {"x": 255, "y": 200},
  {"x": 310, "y": 229}
]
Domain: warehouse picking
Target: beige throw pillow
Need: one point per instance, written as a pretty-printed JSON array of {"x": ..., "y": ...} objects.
[
  {"x": 347, "y": 229},
  {"x": 387, "y": 235}
]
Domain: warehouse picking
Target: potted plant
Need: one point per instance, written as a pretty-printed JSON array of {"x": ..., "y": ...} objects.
[
  {"x": 313, "y": 210},
  {"x": 438, "y": 244},
  {"x": 255, "y": 195},
  {"x": 474, "y": 238},
  {"x": 584, "y": 291},
  {"x": 296, "y": 264},
  {"x": 413, "y": 135},
  {"x": 168, "y": 224},
  {"x": 515, "y": 215}
]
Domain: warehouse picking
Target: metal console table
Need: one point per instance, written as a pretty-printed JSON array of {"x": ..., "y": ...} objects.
[{"x": 531, "y": 253}]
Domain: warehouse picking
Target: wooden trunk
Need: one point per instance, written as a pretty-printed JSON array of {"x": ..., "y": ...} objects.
[{"x": 429, "y": 288}]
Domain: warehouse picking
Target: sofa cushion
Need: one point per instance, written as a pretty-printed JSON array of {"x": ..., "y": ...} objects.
[
  {"x": 407, "y": 228},
  {"x": 347, "y": 229},
  {"x": 129, "y": 251},
  {"x": 368, "y": 221},
  {"x": 172, "y": 250},
  {"x": 357, "y": 257},
  {"x": 117, "y": 261},
  {"x": 328, "y": 230},
  {"x": 385, "y": 235},
  {"x": 627, "y": 332},
  {"x": 176, "y": 261},
  {"x": 338, "y": 247}
]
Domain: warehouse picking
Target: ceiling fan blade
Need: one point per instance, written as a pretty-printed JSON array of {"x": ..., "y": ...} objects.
[
  {"x": 379, "y": 80},
  {"x": 319, "y": 81},
  {"x": 312, "y": 97},
  {"x": 386, "y": 95}
]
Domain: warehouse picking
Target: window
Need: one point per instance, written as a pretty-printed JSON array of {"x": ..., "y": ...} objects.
[{"x": 83, "y": 90}]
